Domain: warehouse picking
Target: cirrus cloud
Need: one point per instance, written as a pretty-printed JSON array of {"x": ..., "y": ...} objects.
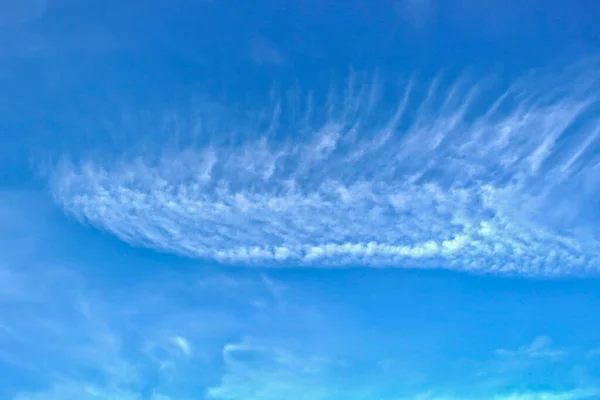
[{"x": 448, "y": 175}]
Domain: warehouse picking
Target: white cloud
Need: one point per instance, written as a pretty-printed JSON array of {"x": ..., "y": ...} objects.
[
  {"x": 540, "y": 348},
  {"x": 267, "y": 372},
  {"x": 453, "y": 178},
  {"x": 183, "y": 344},
  {"x": 256, "y": 372},
  {"x": 548, "y": 395},
  {"x": 575, "y": 394},
  {"x": 160, "y": 335}
]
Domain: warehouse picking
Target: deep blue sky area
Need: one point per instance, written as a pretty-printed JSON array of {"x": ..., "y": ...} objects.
[{"x": 299, "y": 200}]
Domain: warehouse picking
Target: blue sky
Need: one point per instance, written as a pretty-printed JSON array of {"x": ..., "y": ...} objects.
[{"x": 319, "y": 200}]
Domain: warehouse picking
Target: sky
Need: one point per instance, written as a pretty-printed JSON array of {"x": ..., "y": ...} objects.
[{"x": 285, "y": 200}]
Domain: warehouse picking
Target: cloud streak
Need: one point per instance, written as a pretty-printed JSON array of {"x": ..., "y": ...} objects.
[
  {"x": 456, "y": 173},
  {"x": 540, "y": 348},
  {"x": 263, "y": 372}
]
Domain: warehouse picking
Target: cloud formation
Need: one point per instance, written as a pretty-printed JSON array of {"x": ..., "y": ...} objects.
[
  {"x": 183, "y": 345},
  {"x": 155, "y": 341},
  {"x": 576, "y": 394},
  {"x": 263, "y": 373},
  {"x": 457, "y": 173},
  {"x": 190, "y": 335},
  {"x": 540, "y": 348}
]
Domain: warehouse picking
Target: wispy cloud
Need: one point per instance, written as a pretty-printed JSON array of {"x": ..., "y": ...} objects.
[
  {"x": 158, "y": 339},
  {"x": 540, "y": 348},
  {"x": 455, "y": 176},
  {"x": 264, "y": 372},
  {"x": 182, "y": 344},
  {"x": 181, "y": 337},
  {"x": 575, "y": 394}
]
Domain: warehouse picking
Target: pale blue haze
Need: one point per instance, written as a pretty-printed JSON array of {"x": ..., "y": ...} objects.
[{"x": 286, "y": 200}]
